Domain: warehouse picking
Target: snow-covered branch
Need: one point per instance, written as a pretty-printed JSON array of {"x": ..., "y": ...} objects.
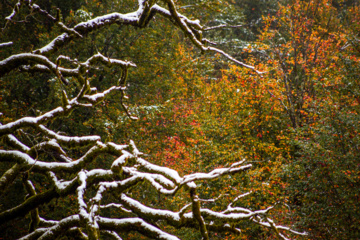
[{"x": 134, "y": 174}]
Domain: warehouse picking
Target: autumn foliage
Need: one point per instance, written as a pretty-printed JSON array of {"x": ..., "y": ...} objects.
[{"x": 295, "y": 118}]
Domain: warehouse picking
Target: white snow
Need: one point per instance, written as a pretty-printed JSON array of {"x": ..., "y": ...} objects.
[
  {"x": 213, "y": 174},
  {"x": 60, "y": 184},
  {"x": 139, "y": 223},
  {"x": 170, "y": 173},
  {"x": 5, "y": 44},
  {"x": 80, "y": 195},
  {"x": 23, "y": 147},
  {"x": 49, "y": 47},
  {"x": 164, "y": 214},
  {"x": 67, "y": 139}
]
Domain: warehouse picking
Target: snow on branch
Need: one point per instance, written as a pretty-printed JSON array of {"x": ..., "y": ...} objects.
[
  {"x": 26, "y": 160},
  {"x": 89, "y": 209},
  {"x": 223, "y": 26},
  {"x": 69, "y": 141},
  {"x": 57, "y": 230},
  {"x": 6, "y": 44},
  {"x": 135, "y": 224},
  {"x": 193, "y": 30},
  {"x": 69, "y": 105},
  {"x": 140, "y": 18},
  {"x": 14, "y": 61}
]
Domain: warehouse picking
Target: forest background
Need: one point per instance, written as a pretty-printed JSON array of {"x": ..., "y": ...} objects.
[{"x": 297, "y": 122}]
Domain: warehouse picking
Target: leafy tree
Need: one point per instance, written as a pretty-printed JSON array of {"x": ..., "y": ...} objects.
[
  {"x": 313, "y": 62},
  {"x": 68, "y": 183}
]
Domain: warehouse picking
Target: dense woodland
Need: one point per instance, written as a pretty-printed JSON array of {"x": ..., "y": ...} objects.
[{"x": 180, "y": 119}]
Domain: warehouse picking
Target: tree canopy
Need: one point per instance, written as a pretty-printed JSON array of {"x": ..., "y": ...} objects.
[{"x": 179, "y": 119}]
